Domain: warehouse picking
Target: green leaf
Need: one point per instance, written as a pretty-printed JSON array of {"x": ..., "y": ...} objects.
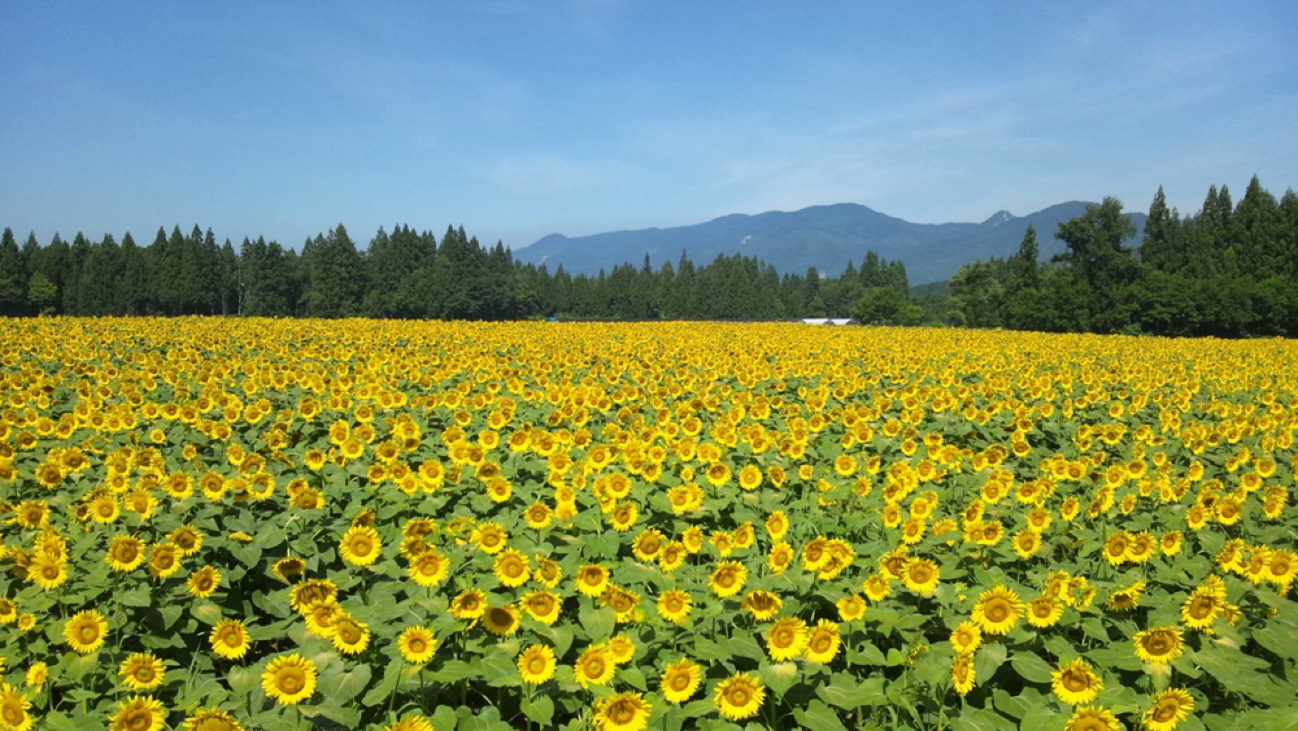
[
  {"x": 206, "y": 612},
  {"x": 346, "y": 684},
  {"x": 244, "y": 679},
  {"x": 818, "y": 717},
  {"x": 1031, "y": 667},
  {"x": 540, "y": 709},
  {"x": 598, "y": 623},
  {"x": 135, "y": 597},
  {"x": 845, "y": 692},
  {"x": 1121, "y": 657},
  {"x": 444, "y": 719},
  {"x": 868, "y": 655},
  {"x": 348, "y": 717},
  {"x": 987, "y": 659},
  {"x": 779, "y": 677},
  {"x": 383, "y": 689},
  {"x": 978, "y": 719},
  {"x": 1019, "y": 706},
  {"x": 705, "y": 649},
  {"x": 454, "y": 671},
  {"x": 634, "y": 677},
  {"x": 1279, "y": 636}
]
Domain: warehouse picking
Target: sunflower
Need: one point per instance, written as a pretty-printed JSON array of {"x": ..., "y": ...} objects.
[
  {"x": 876, "y": 588},
  {"x": 1117, "y": 548},
  {"x": 962, "y": 674},
  {"x": 547, "y": 572},
  {"x": 429, "y": 568},
  {"x": 536, "y": 664},
  {"x": 211, "y": 719},
  {"x": 592, "y": 580},
  {"x": 543, "y": 606},
  {"x": 289, "y": 566},
  {"x": 624, "y": 516},
  {"x": 511, "y": 569},
  {"x": 1044, "y": 611},
  {"x": 674, "y": 605},
  {"x": 204, "y": 582},
  {"x": 538, "y": 516},
  {"x": 289, "y": 679},
  {"x": 187, "y": 539},
  {"x": 750, "y": 477},
  {"x": 142, "y": 671},
  {"x": 417, "y": 644},
  {"x": 13, "y": 709},
  {"x": 85, "y": 631},
  {"x": 693, "y": 539},
  {"x": 164, "y": 560},
  {"x": 672, "y": 556},
  {"x": 594, "y": 666},
  {"x": 322, "y": 618},
  {"x": 621, "y": 649},
  {"x": 740, "y": 696},
  {"x": 47, "y": 572},
  {"x": 851, "y": 607},
  {"x": 501, "y": 621},
  {"x": 777, "y": 525},
  {"x": 965, "y": 638},
  {"x": 920, "y": 576},
  {"x": 622, "y": 712},
  {"x": 1202, "y": 608},
  {"x": 360, "y": 545},
  {"x": 1093, "y": 718},
  {"x": 311, "y": 592},
  {"x": 8, "y": 611},
  {"x": 229, "y": 639},
  {"x": 36, "y": 676},
  {"x": 823, "y": 644},
  {"x": 762, "y": 604},
  {"x": 997, "y": 610},
  {"x": 1159, "y": 645},
  {"x": 680, "y": 680},
  {"x": 1125, "y": 599},
  {"x": 105, "y": 509},
  {"x": 648, "y": 544},
  {"x": 728, "y": 579},
  {"x": 139, "y": 713},
  {"x": 1026, "y": 543},
  {"x": 1170, "y": 707},
  {"x": 1076, "y": 683},
  {"x": 350, "y": 635},
  {"x": 786, "y": 639},
  {"x": 470, "y": 604},
  {"x": 780, "y": 557}
]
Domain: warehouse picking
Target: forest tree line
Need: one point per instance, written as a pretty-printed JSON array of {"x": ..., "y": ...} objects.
[
  {"x": 410, "y": 274},
  {"x": 1229, "y": 270}
]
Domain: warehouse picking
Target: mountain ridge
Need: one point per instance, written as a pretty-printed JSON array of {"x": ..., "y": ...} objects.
[{"x": 825, "y": 236}]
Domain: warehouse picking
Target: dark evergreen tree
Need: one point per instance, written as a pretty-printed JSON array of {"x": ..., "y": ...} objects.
[{"x": 14, "y": 277}]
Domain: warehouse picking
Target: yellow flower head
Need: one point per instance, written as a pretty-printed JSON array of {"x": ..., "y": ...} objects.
[{"x": 289, "y": 679}]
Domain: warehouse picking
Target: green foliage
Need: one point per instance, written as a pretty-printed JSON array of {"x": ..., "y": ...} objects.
[{"x": 1226, "y": 271}]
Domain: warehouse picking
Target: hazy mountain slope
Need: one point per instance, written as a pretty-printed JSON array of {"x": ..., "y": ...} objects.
[{"x": 822, "y": 236}]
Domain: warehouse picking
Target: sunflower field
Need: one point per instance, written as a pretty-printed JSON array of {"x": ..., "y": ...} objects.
[{"x": 215, "y": 524}]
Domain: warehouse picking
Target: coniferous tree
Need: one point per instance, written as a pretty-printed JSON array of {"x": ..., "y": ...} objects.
[
  {"x": 134, "y": 280},
  {"x": 335, "y": 275},
  {"x": 1162, "y": 248},
  {"x": 13, "y": 277}
]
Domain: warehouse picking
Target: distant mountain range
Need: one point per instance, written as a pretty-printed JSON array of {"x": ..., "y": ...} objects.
[{"x": 825, "y": 237}]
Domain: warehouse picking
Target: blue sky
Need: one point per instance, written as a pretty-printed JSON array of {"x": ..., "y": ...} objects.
[{"x": 519, "y": 119}]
